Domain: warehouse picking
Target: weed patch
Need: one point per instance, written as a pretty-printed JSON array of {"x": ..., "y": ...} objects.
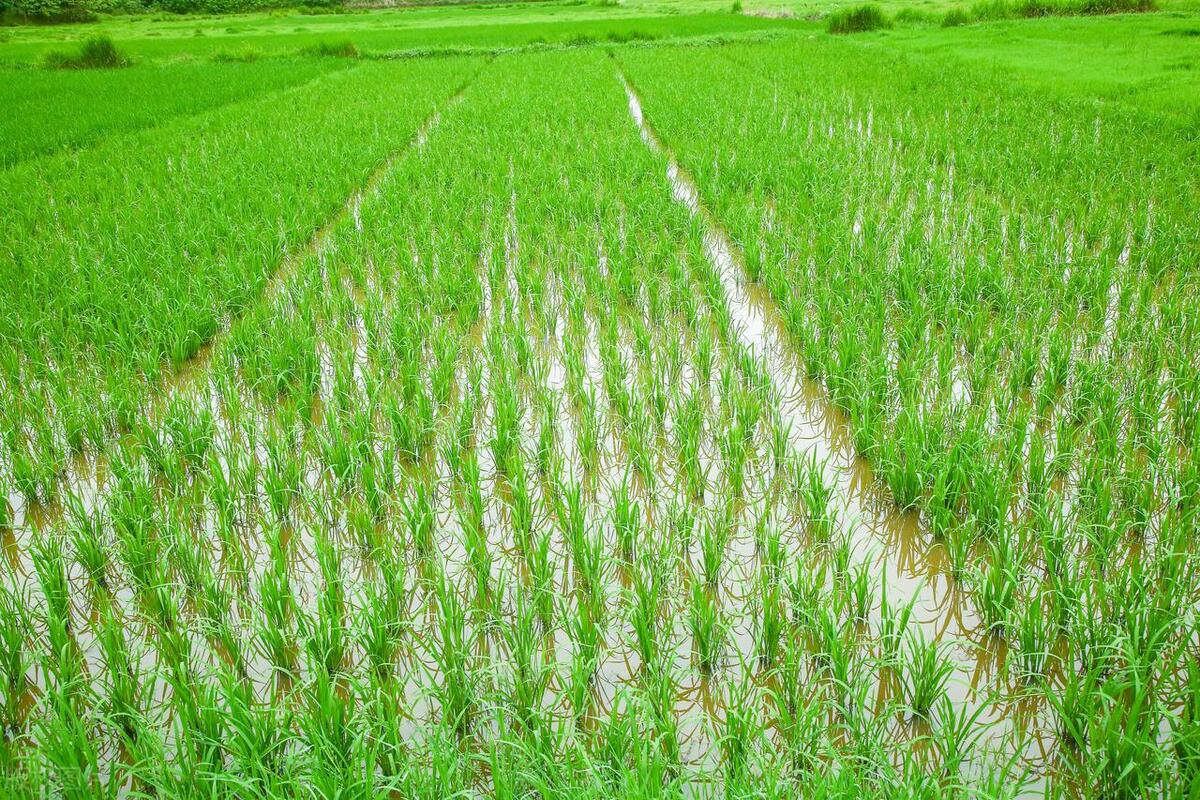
[
  {"x": 859, "y": 19},
  {"x": 97, "y": 52}
]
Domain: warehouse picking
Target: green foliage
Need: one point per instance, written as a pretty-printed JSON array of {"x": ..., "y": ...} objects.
[
  {"x": 96, "y": 52},
  {"x": 858, "y": 19},
  {"x": 342, "y": 48},
  {"x": 990, "y": 10}
]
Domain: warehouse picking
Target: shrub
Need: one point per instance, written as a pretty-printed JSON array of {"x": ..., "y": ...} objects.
[
  {"x": 97, "y": 52},
  {"x": 342, "y": 49},
  {"x": 862, "y": 18}
]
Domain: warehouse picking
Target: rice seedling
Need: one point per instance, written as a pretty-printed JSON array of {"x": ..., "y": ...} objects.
[{"x": 923, "y": 675}]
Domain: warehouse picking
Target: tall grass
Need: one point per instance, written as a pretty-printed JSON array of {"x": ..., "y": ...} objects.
[
  {"x": 858, "y": 19},
  {"x": 96, "y": 52}
]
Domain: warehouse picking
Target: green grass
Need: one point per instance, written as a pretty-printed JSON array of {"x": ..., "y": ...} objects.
[
  {"x": 384, "y": 31},
  {"x": 92, "y": 105},
  {"x": 858, "y": 19},
  {"x": 1140, "y": 61},
  {"x": 96, "y": 52}
]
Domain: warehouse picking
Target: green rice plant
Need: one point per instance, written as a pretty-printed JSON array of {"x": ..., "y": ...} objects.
[
  {"x": 520, "y": 504},
  {"x": 740, "y": 729},
  {"x": 380, "y": 628},
  {"x": 771, "y": 621},
  {"x": 1124, "y": 757},
  {"x": 67, "y": 664},
  {"x": 15, "y": 661},
  {"x": 70, "y": 752},
  {"x": 713, "y": 543},
  {"x": 191, "y": 429},
  {"x": 419, "y": 516},
  {"x": 541, "y": 570},
  {"x": 1033, "y": 635},
  {"x": 282, "y": 474},
  {"x": 801, "y": 715},
  {"x": 257, "y": 733},
  {"x": 644, "y": 616},
  {"x": 458, "y": 691},
  {"x": 807, "y": 592},
  {"x": 996, "y": 590},
  {"x": 626, "y": 522},
  {"x": 585, "y": 653},
  {"x": 473, "y": 528},
  {"x": 332, "y": 49},
  {"x": 530, "y": 674},
  {"x": 657, "y": 694},
  {"x": 959, "y": 543},
  {"x": 860, "y": 594},
  {"x": 274, "y": 627},
  {"x": 707, "y": 628},
  {"x": 924, "y": 675},
  {"x": 547, "y": 446},
  {"x": 893, "y": 625},
  {"x": 325, "y": 631},
  {"x": 957, "y": 735},
  {"x": 1186, "y": 727},
  {"x": 817, "y": 495},
  {"x": 126, "y": 696},
  {"x": 87, "y": 541},
  {"x": 1074, "y": 704}
]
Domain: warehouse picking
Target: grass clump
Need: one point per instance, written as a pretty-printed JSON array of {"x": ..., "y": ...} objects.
[
  {"x": 994, "y": 10},
  {"x": 244, "y": 55},
  {"x": 96, "y": 52},
  {"x": 867, "y": 17},
  {"x": 332, "y": 49},
  {"x": 624, "y": 37},
  {"x": 955, "y": 17}
]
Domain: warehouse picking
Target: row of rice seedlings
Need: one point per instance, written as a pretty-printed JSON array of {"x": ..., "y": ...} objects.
[
  {"x": 98, "y": 360},
  {"x": 437, "y": 582},
  {"x": 985, "y": 389}
]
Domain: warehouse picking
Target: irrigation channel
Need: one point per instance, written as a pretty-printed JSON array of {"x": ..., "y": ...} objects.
[{"x": 889, "y": 542}]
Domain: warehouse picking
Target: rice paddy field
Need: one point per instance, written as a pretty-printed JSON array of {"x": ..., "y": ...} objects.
[{"x": 726, "y": 410}]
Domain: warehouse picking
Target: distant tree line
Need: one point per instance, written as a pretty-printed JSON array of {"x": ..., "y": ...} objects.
[{"x": 18, "y": 11}]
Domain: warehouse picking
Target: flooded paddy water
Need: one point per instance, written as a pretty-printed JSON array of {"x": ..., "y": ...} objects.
[{"x": 515, "y": 469}]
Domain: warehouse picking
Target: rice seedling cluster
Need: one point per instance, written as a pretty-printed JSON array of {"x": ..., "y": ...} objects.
[{"x": 771, "y": 419}]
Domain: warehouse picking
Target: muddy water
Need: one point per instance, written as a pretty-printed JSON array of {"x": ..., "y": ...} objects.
[
  {"x": 599, "y": 462},
  {"x": 913, "y": 568}
]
